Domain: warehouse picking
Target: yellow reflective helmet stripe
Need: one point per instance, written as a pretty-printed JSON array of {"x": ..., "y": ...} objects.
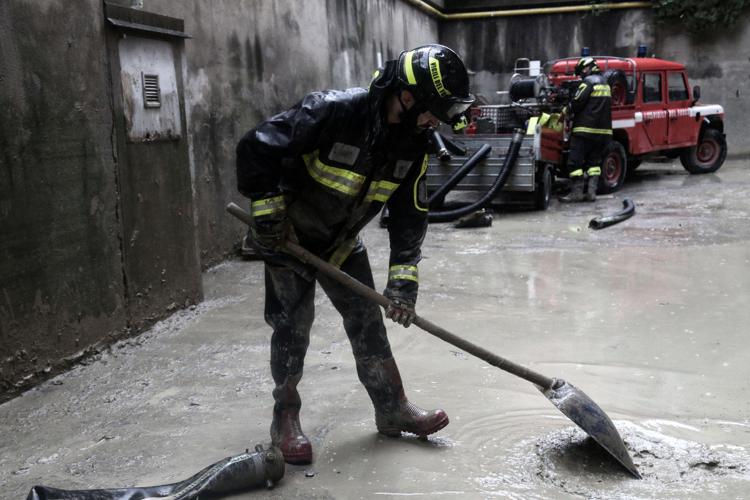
[
  {"x": 437, "y": 78},
  {"x": 267, "y": 206},
  {"x": 577, "y": 173},
  {"x": 380, "y": 191},
  {"x": 594, "y": 171},
  {"x": 403, "y": 272},
  {"x": 408, "y": 69},
  {"x": 344, "y": 181},
  {"x": 589, "y": 130},
  {"x": 422, "y": 171}
]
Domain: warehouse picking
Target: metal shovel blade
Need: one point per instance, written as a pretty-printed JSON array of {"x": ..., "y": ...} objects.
[{"x": 581, "y": 409}]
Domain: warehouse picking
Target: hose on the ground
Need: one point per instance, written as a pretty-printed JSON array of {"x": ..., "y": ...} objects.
[
  {"x": 628, "y": 210},
  {"x": 248, "y": 470}
]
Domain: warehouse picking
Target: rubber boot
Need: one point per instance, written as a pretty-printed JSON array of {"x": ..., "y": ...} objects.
[
  {"x": 394, "y": 413},
  {"x": 286, "y": 431},
  {"x": 592, "y": 183},
  {"x": 576, "y": 191}
]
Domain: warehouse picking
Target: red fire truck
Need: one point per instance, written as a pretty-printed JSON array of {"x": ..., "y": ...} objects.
[{"x": 655, "y": 113}]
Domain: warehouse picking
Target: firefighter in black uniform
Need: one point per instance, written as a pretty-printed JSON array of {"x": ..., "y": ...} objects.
[
  {"x": 592, "y": 130},
  {"x": 318, "y": 173}
]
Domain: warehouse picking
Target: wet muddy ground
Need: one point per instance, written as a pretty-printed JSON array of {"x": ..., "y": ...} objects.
[{"x": 648, "y": 317}]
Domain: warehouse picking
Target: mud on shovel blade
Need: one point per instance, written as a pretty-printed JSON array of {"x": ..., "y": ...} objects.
[{"x": 567, "y": 398}]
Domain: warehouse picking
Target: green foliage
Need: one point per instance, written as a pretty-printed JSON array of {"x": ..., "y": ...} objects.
[{"x": 700, "y": 16}]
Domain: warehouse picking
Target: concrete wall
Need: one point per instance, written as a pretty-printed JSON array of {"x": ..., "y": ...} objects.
[
  {"x": 250, "y": 59},
  {"x": 491, "y": 46},
  {"x": 719, "y": 62},
  {"x": 63, "y": 273},
  {"x": 61, "y": 282}
]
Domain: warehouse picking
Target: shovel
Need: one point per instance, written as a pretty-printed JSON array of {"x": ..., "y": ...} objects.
[{"x": 567, "y": 398}]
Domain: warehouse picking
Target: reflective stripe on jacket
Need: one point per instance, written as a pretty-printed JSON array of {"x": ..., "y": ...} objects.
[{"x": 592, "y": 107}]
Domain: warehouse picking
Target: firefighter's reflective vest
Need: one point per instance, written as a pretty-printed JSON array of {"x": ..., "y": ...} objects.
[
  {"x": 320, "y": 165},
  {"x": 592, "y": 107}
]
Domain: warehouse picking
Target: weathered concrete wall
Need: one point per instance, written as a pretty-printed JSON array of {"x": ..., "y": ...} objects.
[
  {"x": 491, "y": 46},
  {"x": 61, "y": 282},
  {"x": 719, "y": 62},
  {"x": 249, "y": 60}
]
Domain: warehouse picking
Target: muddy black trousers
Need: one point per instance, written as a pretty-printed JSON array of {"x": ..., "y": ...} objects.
[
  {"x": 290, "y": 311},
  {"x": 586, "y": 152}
]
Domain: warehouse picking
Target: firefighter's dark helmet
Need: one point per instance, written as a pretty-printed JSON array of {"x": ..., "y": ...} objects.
[
  {"x": 586, "y": 62},
  {"x": 438, "y": 79}
]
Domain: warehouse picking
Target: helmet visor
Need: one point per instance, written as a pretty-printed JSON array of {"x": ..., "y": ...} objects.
[{"x": 449, "y": 110}]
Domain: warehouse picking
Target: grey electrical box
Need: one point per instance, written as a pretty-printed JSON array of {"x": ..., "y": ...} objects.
[{"x": 149, "y": 89}]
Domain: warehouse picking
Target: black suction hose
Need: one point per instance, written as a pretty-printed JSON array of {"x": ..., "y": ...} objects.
[
  {"x": 459, "y": 174},
  {"x": 440, "y": 150},
  {"x": 628, "y": 210},
  {"x": 500, "y": 180}
]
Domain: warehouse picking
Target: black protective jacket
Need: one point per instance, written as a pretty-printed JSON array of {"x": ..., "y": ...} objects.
[
  {"x": 329, "y": 164},
  {"x": 592, "y": 107}
]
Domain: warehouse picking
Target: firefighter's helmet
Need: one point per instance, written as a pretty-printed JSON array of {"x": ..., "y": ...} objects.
[
  {"x": 438, "y": 80},
  {"x": 584, "y": 63}
]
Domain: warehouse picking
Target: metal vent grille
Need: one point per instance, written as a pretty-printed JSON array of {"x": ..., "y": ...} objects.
[{"x": 151, "y": 91}]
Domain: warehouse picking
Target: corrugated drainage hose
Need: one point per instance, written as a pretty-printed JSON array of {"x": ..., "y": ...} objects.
[
  {"x": 500, "y": 180},
  {"x": 233, "y": 474},
  {"x": 628, "y": 210}
]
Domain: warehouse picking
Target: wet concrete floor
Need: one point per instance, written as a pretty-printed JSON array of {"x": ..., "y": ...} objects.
[{"x": 648, "y": 317}]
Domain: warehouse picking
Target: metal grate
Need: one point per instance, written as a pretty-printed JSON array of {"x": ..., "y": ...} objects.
[{"x": 151, "y": 91}]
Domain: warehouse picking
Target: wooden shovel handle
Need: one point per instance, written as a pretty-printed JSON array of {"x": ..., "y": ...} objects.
[{"x": 367, "y": 292}]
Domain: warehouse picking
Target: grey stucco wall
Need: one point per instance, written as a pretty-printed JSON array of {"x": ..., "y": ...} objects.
[
  {"x": 249, "y": 60},
  {"x": 718, "y": 61},
  {"x": 61, "y": 282},
  {"x": 63, "y": 278},
  {"x": 491, "y": 46}
]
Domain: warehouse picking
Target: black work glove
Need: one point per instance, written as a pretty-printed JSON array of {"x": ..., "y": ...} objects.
[
  {"x": 270, "y": 235},
  {"x": 402, "y": 305}
]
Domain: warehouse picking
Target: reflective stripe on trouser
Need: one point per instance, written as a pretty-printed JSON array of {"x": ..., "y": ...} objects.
[
  {"x": 401, "y": 272},
  {"x": 267, "y": 206},
  {"x": 380, "y": 191},
  {"x": 589, "y": 130},
  {"x": 339, "y": 179},
  {"x": 594, "y": 171},
  {"x": 289, "y": 310},
  {"x": 343, "y": 251},
  {"x": 576, "y": 173}
]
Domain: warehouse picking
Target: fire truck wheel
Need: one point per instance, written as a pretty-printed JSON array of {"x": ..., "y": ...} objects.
[
  {"x": 614, "y": 168},
  {"x": 708, "y": 155},
  {"x": 544, "y": 184}
]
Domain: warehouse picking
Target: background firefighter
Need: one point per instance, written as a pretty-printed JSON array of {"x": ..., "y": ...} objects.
[
  {"x": 592, "y": 130},
  {"x": 318, "y": 173}
]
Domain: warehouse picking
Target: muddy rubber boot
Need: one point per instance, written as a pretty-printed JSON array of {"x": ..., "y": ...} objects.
[
  {"x": 287, "y": 435},
  {"x": 576, "y": 191},
  {"x": 394, "y": 413},
  {"x": 286, "y": 431},
  {"x": 592, "y": 183}
]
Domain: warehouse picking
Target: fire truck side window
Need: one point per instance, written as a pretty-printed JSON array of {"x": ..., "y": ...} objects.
[
  {"x": 676, "y": 87},
  {"x": 652, "y": 87}
]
